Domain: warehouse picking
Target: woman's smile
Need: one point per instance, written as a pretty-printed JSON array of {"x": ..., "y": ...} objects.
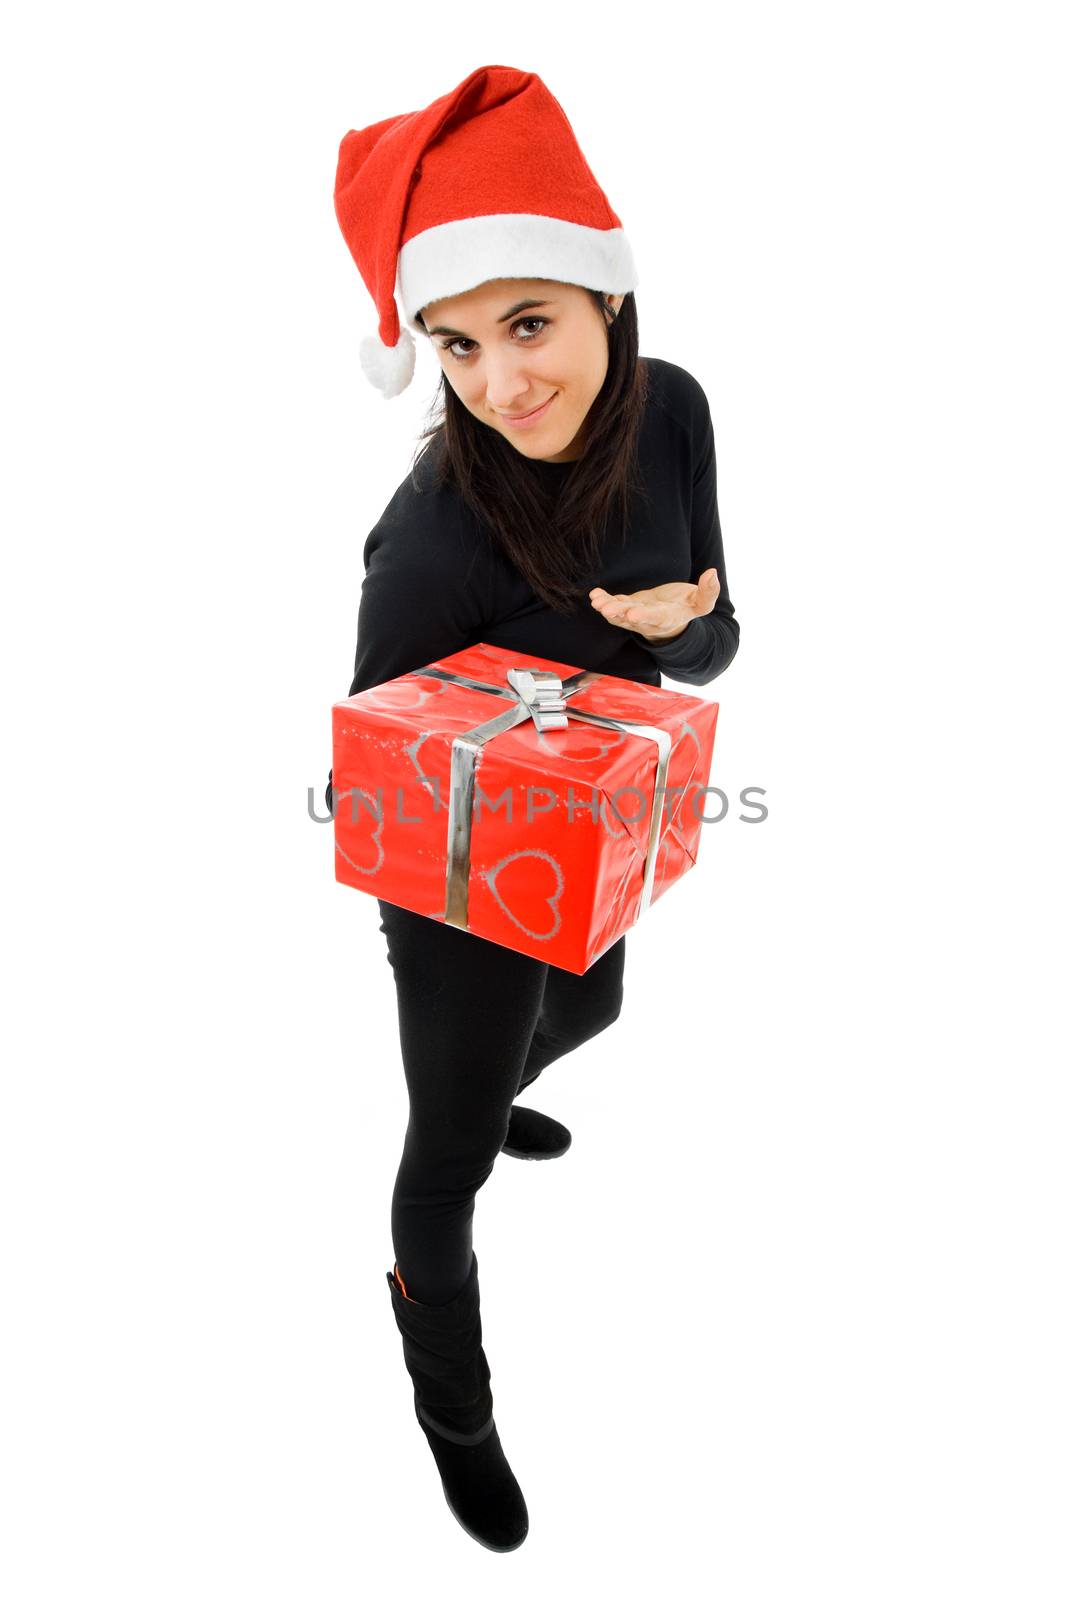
[{"x": 531, "y": 418}]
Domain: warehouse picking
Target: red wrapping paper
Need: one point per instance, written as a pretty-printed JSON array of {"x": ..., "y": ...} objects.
[{"x": 553, "y": 882}]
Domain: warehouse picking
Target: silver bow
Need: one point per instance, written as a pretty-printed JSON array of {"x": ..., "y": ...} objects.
[{"x": 542, "y": 691}]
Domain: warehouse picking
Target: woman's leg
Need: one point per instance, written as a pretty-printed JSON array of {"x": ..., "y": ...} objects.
[
  {"x": 467, "y": 1012},
  {"x": 575, "y": 1008}
]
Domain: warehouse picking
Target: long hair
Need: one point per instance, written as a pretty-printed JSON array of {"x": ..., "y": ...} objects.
[{"x": 553, "y": 538}]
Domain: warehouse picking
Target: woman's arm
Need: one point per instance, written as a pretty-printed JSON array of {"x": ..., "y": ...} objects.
[
  {"x": 420, "y": 599},
  {"x": 415, "y": 604},
  {"x": 707, "y": 644}
]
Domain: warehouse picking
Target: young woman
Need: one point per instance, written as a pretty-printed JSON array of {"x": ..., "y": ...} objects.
[{"x": 564, "y": 505}]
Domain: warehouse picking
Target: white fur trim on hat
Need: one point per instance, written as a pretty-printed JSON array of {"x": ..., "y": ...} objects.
[
  {"x": 390, "y": 369},
  {"x": 456, "y": 256}
]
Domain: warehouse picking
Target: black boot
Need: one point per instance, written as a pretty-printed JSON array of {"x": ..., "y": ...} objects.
[
  {"x": 534, "y": 1137},
  {"x": 454, "y": 1404}
]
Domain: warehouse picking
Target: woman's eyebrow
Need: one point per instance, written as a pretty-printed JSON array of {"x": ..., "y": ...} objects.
[{"x": 523, "y": 305}]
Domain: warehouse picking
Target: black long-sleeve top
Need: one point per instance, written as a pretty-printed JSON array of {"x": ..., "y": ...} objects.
[{"x": 435, "y": 582}]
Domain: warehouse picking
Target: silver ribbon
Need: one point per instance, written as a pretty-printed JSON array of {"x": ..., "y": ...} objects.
[{"x": 541, "y": 696}]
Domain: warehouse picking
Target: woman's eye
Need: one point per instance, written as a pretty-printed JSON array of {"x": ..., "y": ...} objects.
[{"x": 524, "y": 322}]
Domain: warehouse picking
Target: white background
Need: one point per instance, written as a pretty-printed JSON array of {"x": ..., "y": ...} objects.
[{"x": 788, "y": 1319}]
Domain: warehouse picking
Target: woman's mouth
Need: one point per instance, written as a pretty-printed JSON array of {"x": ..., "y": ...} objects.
[{"x": 531, "y": 419}]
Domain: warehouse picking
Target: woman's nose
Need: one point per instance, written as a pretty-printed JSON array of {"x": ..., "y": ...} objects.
[{"x": 506, "y": 385}]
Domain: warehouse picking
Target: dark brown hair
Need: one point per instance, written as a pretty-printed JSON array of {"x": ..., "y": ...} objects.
[{"x": 552, "y": 535}]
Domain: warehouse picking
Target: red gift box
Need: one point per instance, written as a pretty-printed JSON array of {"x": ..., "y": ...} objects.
[{"x": 517, "y": 798}]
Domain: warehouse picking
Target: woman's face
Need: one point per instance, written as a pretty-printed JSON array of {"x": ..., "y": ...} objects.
[{"x": 513, "y": 344}]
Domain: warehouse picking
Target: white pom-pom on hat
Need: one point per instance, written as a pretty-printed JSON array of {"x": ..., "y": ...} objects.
[{"x": 389, "y": 368}]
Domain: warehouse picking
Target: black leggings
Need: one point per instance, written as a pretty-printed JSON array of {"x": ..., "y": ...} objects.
[{"x": 478, "y": 1023}]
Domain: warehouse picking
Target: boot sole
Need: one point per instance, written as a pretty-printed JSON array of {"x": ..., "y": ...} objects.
[
  {"x": 499, "y": 1548},
  {"x": 534, "y": 1155}
]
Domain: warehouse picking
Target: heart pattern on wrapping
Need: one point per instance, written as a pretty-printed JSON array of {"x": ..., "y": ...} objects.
[
  {"x": 403, "y": 694},
  {"x": 518, "y": 883},
  {"x": 580, "y": 741},
  {"x": 363, "y": 834}
]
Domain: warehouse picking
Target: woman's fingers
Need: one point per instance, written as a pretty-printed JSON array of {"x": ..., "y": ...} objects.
[
  {"x": 667, "y": 610},
  {"x": 612, "y": 606},
  {"x": 669, "y": 607}
]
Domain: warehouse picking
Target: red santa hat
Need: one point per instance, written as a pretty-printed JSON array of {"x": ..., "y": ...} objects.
[{"x": 487, "y": 182}]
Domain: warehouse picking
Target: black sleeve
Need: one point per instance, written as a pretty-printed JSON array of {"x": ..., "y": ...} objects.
[
  {"x": 708, "y": 644},
  {"x": 422, "y": 595}
]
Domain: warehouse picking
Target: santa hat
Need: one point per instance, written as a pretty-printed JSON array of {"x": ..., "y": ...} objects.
[{"x": 486, "y": 182}]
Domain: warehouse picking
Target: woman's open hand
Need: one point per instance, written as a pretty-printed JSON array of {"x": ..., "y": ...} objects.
[{"x": 663, "y": 612}]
